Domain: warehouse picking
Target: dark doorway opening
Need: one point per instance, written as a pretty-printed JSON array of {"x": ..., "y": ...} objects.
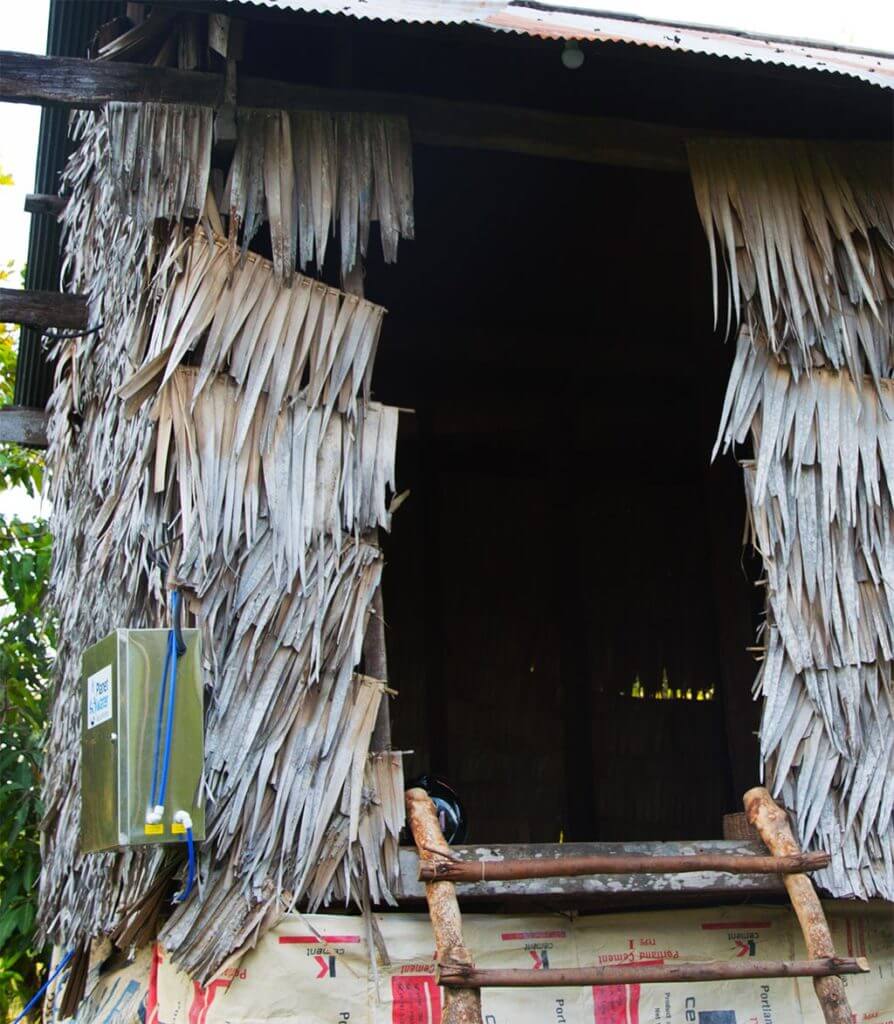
[{"x": 567, "y": 613}]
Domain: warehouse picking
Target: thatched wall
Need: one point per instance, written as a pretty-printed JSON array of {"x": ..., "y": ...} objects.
[
  {"x": 253, "y": 480},
  {"x": 807, "y": 233}
]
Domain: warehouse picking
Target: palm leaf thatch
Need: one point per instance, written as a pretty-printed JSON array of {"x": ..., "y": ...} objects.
[
  {"x": 307, "y": 172},
  {"x": 160, "y": 159},
  {"x": 807, "y": 235},
  {"x": 820, "y": 492},
  {"x": 261, "y": 472},
  {"x": 807, "y": 232}
]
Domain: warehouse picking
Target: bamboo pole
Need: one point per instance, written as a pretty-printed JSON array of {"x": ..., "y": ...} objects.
[
  {"x": 634, "y": 974},
  {"x": 772, "y": 824},
  {"x": 620, "y": 864},
  {"x": 462, "y": 1004}
]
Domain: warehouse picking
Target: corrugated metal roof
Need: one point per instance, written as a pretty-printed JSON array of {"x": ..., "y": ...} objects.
[
  {"x": 554, "y": 22},
  {"x": 426, "y": 12}
]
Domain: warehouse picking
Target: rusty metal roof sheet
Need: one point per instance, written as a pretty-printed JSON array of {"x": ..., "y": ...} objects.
[{"x": 551, "y": 21}]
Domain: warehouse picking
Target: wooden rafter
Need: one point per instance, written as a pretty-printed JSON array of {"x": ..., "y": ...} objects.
[
  {"x": 42, "y": 309},
  {"x": 73, "y": 82}
]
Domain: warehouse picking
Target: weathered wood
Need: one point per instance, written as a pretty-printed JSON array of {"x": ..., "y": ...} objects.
[
  {"x": 75, "y": 82},
  {"x": 713, "y": 885},
  {"x": 42, "y": 309},
  {"x": 23, "y": 426},
  {"x": 646, "y": 974},
  {"x": 375, "y": 664},
  {"x": 52, "y": 205},
  {"x": 462, "y": 1005},
  {"x": 772, "y": 824},
  {"x": 27, "y": 78},
  {"x": 622, "y": 864}
]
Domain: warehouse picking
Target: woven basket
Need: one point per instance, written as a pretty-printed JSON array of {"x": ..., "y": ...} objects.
[{"x": 735, "y": 826}]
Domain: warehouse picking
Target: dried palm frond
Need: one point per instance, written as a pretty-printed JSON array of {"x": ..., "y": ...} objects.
[
  {"x": 821, "y": 505},
  {"x": 807, "y": 235},
  {"x": 258, "y": 472},
  {"x": 317, "y": 481},
  {"x": 307, "y": 339},
  {"x": 160, "y": 157},
  {"x": 308, "y": 172}
]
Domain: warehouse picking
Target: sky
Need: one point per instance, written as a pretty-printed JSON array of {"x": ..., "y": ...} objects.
[{"x": 866, "y": 23}]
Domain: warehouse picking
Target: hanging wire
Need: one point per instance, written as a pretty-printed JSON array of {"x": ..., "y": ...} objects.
[{"x": 38, "y": 995}]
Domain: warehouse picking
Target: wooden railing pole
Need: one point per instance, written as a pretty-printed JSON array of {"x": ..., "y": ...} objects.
[
  {"x": 771, "y": 822},
  {"x": 615, "y": 864},
  {"x": 461, "y": 1005},
  {"x": 650, "y": 974}
]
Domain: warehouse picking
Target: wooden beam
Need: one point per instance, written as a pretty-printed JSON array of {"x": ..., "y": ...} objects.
[
  {"x": 75, "y": 82},
  {"x": 27, "y": 78},
  {"x": 602, "y": 888},
  {"x": 650, "y": 974},
  {"x": 23, "y": 426},
  {"x": 772, "y": 823},
  {"x": 51, "y": 205},
  {"x": 42, "y": 309},
  {"x": 621, "y": 864}
]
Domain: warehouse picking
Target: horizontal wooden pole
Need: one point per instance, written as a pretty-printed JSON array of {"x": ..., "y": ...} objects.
[
  {"x": 39, "y": 203},
  {"x": 616, "y": 889},
  {"x": 42, "y": 309},
  {"x": 23, "y": 426},
  {"x": 567, "y": 867},
  {"x": 73, "y": 82},
  {"x": 645, "y": 974}
]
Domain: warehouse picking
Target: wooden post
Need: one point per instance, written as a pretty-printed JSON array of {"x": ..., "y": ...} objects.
[
  {"x": 616, "y": 864},
  {"x": 772, "y": 824},
  {"x": 375, "y": 664},
  {"x": 461, "y": 1005},
  {"x": 650, "y": 974}
]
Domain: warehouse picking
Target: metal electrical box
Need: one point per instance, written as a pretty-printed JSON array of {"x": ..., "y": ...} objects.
[{"x": 120, "y": 686}]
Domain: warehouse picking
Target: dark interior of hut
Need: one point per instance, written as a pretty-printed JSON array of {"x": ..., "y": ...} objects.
[
  {"x": 562, "y": 577},
  {"x": 567, "y": 598}
]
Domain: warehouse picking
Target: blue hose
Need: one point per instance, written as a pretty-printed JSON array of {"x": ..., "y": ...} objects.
[
  {"x": 169, "y": 731},
  {"x": 167, "y": 694},
  {"x": 159, "y": 721},
  {"x": 191, "y": 870},
  {"x": 35, "y": 999}
]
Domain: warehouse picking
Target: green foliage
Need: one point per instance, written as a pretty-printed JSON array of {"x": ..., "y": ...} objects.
[
  {"x": 19, "y": 467},
  {"x": 27, "y": 642}
]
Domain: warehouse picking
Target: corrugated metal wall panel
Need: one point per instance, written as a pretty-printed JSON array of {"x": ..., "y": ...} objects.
[{"x": 72, "y": 24}]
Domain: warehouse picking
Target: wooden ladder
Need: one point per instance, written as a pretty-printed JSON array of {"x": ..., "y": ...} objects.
[{"x": 440, "y": 870}]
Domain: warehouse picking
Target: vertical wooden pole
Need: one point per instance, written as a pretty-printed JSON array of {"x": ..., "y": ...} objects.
[
  {"x": 461, "y": 1005},
  {"x": 771, "y": 822},
  {"x": 375, "y": 664}
]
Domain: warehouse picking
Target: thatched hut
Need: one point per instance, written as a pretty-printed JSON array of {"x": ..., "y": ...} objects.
[{"x": 595, "y": 238}]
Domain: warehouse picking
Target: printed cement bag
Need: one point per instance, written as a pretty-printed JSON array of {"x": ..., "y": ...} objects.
[
  {"x": 309, "y": 969},
  {"x": 690, "y": 935},
  {"x": 858, "y": 929},
  {"x": 316, "y": 969},
  {"x": 112, "y": 996}
]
